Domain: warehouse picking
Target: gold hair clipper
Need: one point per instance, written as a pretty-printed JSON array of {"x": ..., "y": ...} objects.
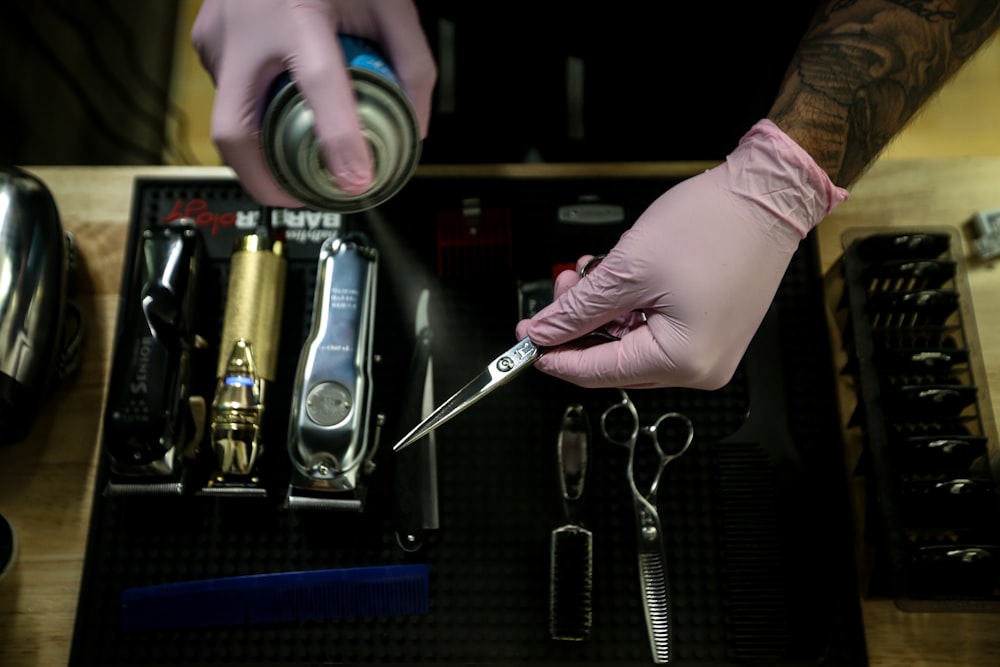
[
  {"x": 329, "y": 439},
  {"x": 248, "y": 359}
]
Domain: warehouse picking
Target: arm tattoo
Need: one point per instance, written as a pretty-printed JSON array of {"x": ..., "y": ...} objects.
[{"x": 865, "y": 67}]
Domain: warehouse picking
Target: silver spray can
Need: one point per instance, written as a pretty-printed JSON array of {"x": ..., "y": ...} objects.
[{"x": 388, "y": 121}]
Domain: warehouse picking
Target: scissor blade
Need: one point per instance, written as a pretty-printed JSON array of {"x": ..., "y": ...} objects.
[
  {"x": 499, "y": 371},
  {"x": 462, "y": 399},
  {"x": 654, "y": 584},
  {"x": 652, "y": 577}
]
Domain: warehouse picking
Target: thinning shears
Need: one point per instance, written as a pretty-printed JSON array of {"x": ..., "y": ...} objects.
[{"x": 653, "y": 579}]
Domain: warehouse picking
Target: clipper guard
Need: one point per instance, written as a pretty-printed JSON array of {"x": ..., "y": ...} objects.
[{"x": 330, "y": 429}]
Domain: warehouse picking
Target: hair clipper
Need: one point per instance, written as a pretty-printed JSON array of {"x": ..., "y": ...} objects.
[
  {"x": 148, "y": 424},
  {"x": 248, "y": 360},
  {"x": 330, "y": 424}
]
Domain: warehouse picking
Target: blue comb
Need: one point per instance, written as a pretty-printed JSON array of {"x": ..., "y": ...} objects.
[{"x": 315, "y": 595}]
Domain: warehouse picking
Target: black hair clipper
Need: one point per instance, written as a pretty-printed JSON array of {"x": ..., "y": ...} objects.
[
  {"x": 148, "y": 424},
  {"x": 330, "y": 429}
]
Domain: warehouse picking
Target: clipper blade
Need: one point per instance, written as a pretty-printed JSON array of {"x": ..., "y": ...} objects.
[
  {"x": 175, "y": 479},
  {"x": 142, "y": 488},
  {"x": 296, "y": 499},
  {"x": 303, "y": 494},
  {"x": 237, "y": 489}
]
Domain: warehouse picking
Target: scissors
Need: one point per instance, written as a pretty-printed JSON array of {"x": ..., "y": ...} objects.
[
  {"x": 649, "y": 530},
  {"x": 497, "y": 373}
]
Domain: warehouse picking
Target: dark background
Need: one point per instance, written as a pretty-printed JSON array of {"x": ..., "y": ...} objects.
[
  {"x": 88, "y": 82},
  {"x": 85, "y": 83}
]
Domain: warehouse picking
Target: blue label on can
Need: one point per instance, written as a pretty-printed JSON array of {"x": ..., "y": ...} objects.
[{"x": 363, "y": 54}]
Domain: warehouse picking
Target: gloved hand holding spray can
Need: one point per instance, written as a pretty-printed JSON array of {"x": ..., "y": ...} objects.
[
  {"x": 307, "y": 115},
  {"x": 388, "y": 121}
]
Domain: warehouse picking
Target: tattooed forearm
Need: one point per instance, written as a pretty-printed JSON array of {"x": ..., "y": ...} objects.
[
  {"x": 927, "y": 10},
  {"x": 865, "y": 67}
]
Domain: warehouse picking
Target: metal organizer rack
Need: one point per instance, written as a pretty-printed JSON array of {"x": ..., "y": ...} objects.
[{"x": 929, "y": 455}]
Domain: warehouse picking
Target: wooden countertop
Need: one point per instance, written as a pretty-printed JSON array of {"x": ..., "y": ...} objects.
[{"x": 46, "y": 482}]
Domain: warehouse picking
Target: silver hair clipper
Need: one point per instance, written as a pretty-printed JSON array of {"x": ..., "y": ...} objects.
[{"x": 331, "y": 435}]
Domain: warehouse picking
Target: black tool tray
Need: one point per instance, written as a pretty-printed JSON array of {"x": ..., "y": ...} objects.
[{"x": 756, "y": 517}]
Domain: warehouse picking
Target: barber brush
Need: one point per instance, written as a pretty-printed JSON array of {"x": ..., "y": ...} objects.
[{"x": 571, "y": 564}]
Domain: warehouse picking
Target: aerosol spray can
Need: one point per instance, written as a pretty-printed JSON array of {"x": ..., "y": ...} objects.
[{"x": 388, "y": 122}]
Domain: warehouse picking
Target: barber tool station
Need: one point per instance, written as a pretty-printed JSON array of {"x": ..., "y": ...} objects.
[
  {"x": 249, "y": 505},
  {"x": 266, "y": 489}
]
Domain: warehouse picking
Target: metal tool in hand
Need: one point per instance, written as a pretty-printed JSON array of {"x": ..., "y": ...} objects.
[
  {"x": 649, "y": 530},
  {"x": 497, "y": 373}
]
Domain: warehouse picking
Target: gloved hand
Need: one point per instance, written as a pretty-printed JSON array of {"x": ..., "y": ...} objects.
[
  {"x": 245, "y": 44},
  {"x": 702, "y": 264}
]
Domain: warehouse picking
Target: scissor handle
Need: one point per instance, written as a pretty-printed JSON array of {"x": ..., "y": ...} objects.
[
  {"x": 624, "y": 404},
  {"x": 654, "y": 430},
  {"x": 651, "y": 430},
  {"x": 591, "y": 263}
]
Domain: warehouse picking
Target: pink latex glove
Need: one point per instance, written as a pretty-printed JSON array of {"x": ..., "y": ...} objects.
[
  {"x": 702, "y": 263},
  {"x": 245, "y": 44}
]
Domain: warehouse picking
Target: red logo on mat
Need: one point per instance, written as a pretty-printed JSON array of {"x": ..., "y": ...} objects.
[
  {"x": 299, "y": 225},
  {"x": 197, "y": 209}
]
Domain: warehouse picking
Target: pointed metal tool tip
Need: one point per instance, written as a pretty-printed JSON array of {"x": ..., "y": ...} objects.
[
  {"x": 497, "y": 373},
  {"x": 413, "y": 436},
  {"x": 402, "y": 444}
]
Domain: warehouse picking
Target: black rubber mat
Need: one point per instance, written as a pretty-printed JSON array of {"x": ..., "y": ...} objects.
[{"x": 755, "y": 518}]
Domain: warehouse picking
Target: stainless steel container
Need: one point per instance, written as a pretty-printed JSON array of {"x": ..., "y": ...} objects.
[
  {"x": 388, "y": 122},
  {"x": 34, "y": 265}
]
